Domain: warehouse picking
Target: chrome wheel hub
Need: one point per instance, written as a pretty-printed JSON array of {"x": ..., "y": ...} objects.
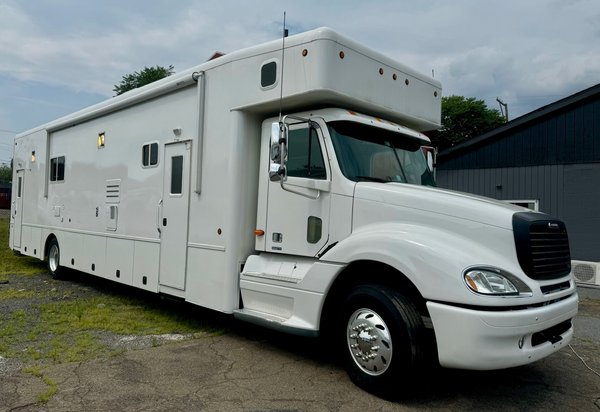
[
  {"x": 53, "y": 256},
  {"x": 369, "y": 341}
]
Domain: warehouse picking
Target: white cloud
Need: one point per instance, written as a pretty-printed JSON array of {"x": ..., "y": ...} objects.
[{"x": 528, "y": 53}]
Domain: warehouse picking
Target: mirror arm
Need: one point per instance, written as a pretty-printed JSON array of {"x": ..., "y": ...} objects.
[{"x": 287, "y": 189}]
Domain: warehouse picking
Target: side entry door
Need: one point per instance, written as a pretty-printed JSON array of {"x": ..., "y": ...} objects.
[
  {"x": 298, "y": 212},
  {"x": 17, "y": 213},
  {"x": 174, "y": 216}
]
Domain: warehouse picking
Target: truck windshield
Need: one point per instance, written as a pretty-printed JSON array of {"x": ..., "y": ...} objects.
[{"x": 367, "y": 153}]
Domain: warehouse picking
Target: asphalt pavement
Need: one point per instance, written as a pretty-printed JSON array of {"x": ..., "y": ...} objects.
[{"x": 252, "y": 369}]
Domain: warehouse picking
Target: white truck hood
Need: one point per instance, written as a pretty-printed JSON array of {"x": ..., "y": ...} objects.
[{"x": 440, "y": 202}]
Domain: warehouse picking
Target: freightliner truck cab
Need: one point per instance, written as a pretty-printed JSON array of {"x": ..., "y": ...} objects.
[{"x": 360, "y": 246}]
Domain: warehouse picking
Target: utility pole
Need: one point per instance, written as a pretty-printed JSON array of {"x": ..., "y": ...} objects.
[{"x": 503, "y": 108}]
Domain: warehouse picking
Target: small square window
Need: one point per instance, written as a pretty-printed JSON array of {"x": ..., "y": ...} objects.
[
  {"x": 150, "y": 154},
  {"x": 268, "y": 74},
  {"x": 57, "y": 169}
]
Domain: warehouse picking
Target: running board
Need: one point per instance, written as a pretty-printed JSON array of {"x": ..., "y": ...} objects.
[{"x": 273, "y": 322}]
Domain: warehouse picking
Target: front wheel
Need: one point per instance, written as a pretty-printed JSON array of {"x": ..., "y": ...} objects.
[
  {"x": 54, "y": 259},
  {"x": 383, "y": 339}
]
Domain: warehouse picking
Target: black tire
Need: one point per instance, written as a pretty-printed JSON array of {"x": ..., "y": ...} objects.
[
  {"x": 383, "y": 340},
  {"x": 54, "y": 259}
]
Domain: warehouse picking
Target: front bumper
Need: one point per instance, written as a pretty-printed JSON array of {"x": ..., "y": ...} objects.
[{"x": 487, "y": 340}]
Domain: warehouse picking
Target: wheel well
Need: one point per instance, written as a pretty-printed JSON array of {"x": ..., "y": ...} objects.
[
  {"x": 366, "y": 271},
  {"x": 47, "y": 244},
  {"x": 361, "y": 272}
]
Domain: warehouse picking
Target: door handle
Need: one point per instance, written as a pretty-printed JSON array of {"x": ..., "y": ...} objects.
[
  {"x": 164, "y": 221},
  {"x": 158, "y": 213}
]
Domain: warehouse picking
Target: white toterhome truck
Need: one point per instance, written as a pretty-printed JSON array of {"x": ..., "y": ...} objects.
[{"x": 323, "y": 220}]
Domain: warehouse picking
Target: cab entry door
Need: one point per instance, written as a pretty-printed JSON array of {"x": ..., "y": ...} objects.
[
  {"x": 174, "y": 216},
  {"x": 17, "y": 216},
  {"x": 298, "y": 218}
]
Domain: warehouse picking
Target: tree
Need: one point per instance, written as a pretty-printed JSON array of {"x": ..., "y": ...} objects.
[
  {"x": 5, "y": 173},
  {"x": 143, "y": 77},
  {"x": 463, "y": 119}
]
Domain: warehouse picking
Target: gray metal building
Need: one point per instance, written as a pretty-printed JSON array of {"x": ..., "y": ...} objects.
[{"x": 548, "y": 160}]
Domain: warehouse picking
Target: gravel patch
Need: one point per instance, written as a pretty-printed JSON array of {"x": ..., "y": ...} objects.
[{"x": 9, "y": 366}]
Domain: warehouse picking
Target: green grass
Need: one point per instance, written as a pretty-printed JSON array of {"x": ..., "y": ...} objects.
[
  {"x": 117, "y": 314},
  {"x": 71, "y": 331},
  {"x": 54, "y": 323},
  {"x": 45, "y": 396},
  {"x": 68, "y": 330},
  {"x": 13, "y": 264},
  {"x": 12, "y": 293}
]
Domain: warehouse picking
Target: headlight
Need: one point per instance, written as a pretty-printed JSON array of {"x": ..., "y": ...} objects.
[{"x": 492, "y": 281}]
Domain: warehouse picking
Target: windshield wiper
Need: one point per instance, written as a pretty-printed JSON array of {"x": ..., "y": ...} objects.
[{"x": 372, "y": 179}]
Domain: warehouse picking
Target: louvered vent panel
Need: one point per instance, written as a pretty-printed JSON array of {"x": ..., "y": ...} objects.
[{"x": 113, "y": 191}]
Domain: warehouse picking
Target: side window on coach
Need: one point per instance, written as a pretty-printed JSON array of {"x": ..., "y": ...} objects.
[
  {"x": 57, "y": 169},
  {"x": 150, "y": 155}
]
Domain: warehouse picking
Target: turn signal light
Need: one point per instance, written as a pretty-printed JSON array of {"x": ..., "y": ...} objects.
[{"x": 259, "y": 232}]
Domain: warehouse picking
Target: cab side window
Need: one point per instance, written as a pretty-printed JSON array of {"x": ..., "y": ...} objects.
[{"x": 305, "y": 158}]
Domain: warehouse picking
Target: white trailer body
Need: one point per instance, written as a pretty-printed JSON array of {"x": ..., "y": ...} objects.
[{"x": 171, "y": 188}]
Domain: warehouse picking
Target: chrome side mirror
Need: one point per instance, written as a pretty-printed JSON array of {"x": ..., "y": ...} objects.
[
  {"x": 278, "y": 152},
  {"x": 275, "y": 145},
  {"x": 430, "y": 156}
]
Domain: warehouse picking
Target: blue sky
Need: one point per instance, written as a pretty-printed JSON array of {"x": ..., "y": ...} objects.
[{"x": 59, "y": 56}]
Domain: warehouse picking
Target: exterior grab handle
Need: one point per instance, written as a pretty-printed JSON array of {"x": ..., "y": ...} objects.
[{"x": 158, "y": 215}]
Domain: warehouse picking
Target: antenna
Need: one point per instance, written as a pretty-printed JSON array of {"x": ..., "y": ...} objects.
[{"x": 285, "y": 33}]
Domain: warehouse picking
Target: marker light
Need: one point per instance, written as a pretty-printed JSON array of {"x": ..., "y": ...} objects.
[{"x": 100, "y": 140}]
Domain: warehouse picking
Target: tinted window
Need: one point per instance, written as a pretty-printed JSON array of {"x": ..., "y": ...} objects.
[
  {"x": 60, "y": 168},
  {"x": 150, "y": 154},
  {"x": 53, "y": 170},
  {"x": 154, "y": 154},
  {"x": 304, "y": 154},
  {"x": 57, "y": 169},
  {"x": 176, "y": 174},
  {"x": 268, "y": 74},
  {"x": 146, "y": 155}
]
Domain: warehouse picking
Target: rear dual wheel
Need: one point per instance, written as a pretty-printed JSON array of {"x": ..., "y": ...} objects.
[{"x": 383, "y": 339}]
